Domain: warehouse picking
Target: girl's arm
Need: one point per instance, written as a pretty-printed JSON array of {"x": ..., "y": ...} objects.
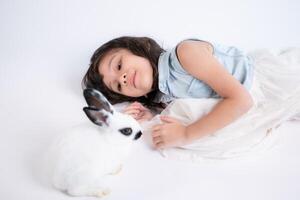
[{"x": 196, "y": 58}]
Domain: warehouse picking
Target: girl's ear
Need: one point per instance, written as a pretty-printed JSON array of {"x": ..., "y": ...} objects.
[
  {"x": 96, "y": 99},
  {"x": 98, "y": 117}
]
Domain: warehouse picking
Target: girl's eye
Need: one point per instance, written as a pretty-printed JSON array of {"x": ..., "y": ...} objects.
[
  {"x": 119, "y": 68},
  {"x": 120, "y": 64}
]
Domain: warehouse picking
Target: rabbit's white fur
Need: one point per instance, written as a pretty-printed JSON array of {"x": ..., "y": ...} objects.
[{"x": 85, "y": 158}]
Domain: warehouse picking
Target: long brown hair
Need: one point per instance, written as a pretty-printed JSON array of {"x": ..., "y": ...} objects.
[{"x": 140, "y": 46}]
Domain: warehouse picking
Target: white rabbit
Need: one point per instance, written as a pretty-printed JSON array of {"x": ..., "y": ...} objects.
[{"x": 84, "y": 159}]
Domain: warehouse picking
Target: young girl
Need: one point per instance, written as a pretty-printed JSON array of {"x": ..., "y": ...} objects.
[{"x": 138, "y": 70}]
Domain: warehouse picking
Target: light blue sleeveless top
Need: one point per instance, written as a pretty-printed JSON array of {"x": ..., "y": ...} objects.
[{"x": 175, "y": 82}]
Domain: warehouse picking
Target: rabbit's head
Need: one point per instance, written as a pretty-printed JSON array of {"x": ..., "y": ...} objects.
[{"x": 102, "y": 113}]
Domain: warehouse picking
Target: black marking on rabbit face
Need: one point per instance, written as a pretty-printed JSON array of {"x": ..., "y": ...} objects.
[
  {"x": 96, "y": 99},
  {"x": 138, "y": 135},
  {"x": 126, "y": 131}
]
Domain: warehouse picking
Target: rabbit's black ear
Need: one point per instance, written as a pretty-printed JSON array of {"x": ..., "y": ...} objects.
[
  {"x": 98, "y": 117},
  {"x": 96, "y": 99}
]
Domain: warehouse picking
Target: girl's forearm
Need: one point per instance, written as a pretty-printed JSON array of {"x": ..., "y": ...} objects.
[{"x": 224, "y": 113}]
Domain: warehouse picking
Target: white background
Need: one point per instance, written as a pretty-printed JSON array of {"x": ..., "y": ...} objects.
[{"x": 45, "y": 47}]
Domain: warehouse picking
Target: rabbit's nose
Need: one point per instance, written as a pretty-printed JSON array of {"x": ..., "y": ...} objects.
[{"x": 138, "y": 135}]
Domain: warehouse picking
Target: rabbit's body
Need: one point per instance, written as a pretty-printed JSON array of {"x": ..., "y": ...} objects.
[
  {"x": 85, "y": 158},
  {"x": 76, "y": 152}
]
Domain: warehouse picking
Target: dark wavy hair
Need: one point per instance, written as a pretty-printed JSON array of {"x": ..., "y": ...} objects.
[{"x": 139, "y": 46}]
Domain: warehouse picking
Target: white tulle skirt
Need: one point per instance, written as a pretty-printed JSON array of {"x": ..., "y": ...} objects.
[
  {"x": 276, "y": 93},
  {"x": 276, "y": 83}
]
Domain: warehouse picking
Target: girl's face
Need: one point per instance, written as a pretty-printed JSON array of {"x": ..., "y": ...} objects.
[{"x": 126, "y": 73}]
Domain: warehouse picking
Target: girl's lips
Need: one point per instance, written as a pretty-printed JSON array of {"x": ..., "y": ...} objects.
[{"x": 133, "y": 79}]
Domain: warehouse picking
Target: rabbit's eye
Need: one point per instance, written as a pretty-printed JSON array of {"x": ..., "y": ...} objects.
[{"x": 126, "y": 131}]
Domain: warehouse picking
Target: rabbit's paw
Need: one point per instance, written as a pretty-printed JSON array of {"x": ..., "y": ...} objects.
[
  {"x": 103, "y": 192},
  {"x": 118, "y": 170}
]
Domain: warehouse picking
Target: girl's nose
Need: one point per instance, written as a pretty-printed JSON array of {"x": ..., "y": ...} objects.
[{"x": 123, "y": 79}]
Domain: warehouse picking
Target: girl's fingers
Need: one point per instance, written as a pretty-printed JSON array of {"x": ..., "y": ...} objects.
[
  {"x": 130, "y": 112},
  {"x": 156, "y": 127},
  {"x": 156, "y": 140},
  {"x": 159, "y": 145},
  {"x": 133, "y": 113},
  {"x": 132, "y": 107},
  {"x": 156, "y": 131},
  {"x": 155, "y": 134},
  {"x": 137, "y": 105},
  {"x": 168, "y": 119},
  {"x": 137, "y": 110}
]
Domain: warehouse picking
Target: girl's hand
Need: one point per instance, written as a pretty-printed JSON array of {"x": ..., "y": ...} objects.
[
  {"x": 169, "y": 134},
  {"x": 138, "y": 112}
]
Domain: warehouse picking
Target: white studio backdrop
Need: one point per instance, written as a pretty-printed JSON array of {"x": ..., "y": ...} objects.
[{"x": 46, "y": 45}]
